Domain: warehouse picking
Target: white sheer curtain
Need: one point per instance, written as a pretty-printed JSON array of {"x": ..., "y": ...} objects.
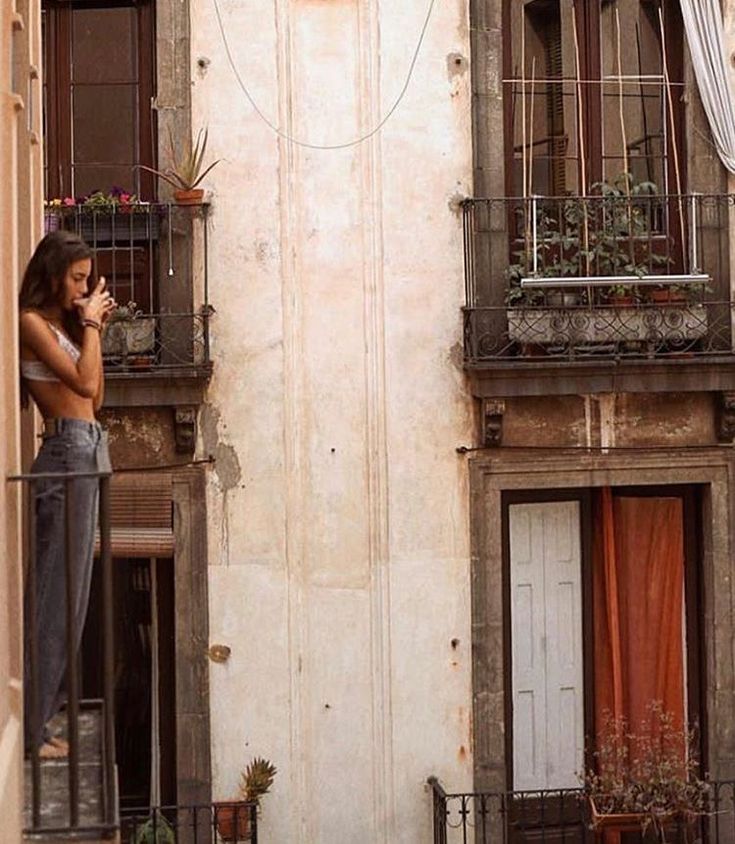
[{"x": 705, "y": 30}]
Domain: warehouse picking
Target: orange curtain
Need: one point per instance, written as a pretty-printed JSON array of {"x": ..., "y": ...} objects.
[
  {"x": 638, "y": 585},
  {"x": 638, "y": 594}
]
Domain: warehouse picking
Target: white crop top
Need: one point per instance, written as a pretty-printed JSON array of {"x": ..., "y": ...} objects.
[{"x": 36, "y": 370}]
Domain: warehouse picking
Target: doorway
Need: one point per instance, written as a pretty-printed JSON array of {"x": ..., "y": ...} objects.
[
  {"x": 145, "y": 707},
  {"x": 602, "y": 618}
]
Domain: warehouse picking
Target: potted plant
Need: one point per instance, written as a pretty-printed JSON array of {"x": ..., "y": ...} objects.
[
  {"x": 645, "y": 780},
  {"x": 129, "y": 335},
  {"x": 621, "y": 295},
  {"x": 154, "y": 831},
  {"x": 233, "y": 816},
  {"x": 668, "y": 295},
  {"x": 185, "y": 172},
  {"x": 114, "y": 216},
  {"x": 679, "y": 294}
]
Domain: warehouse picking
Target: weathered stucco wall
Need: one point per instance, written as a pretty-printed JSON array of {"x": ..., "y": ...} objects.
[
  {"x": 20, "y": 222},
  {"x": 338, "y": 520},
  {"x": 610, "y": 420}
]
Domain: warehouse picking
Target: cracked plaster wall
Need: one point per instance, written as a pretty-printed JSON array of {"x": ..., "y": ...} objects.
[{"x": 338, "y": 524}]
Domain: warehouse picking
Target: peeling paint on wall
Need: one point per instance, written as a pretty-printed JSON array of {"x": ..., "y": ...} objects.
[
  {"x": 140, "y": 436},
  {"x": 226, "y": 463},
  {"x": 226, "y": 469}
]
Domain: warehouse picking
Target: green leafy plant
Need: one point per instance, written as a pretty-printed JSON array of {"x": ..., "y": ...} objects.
[
  {"x": 622, "y": 230},
  {"x": 158, "y": 831},
  {"x": 651, "y": 773},
  {"x": 559, "y": 250},
  {"x": 185, "y": 171},
  {"x": 611, "y": 233}
]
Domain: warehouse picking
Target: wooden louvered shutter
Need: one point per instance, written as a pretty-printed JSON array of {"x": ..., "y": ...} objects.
[
  {"x": 141, "y": 515},
  {"x": 555, "y": 105}
]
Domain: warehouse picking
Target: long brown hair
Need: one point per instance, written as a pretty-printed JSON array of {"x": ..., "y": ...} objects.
[{"x": 42, "y": 280}]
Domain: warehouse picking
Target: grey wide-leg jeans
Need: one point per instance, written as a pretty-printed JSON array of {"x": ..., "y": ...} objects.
[{"x": 78, "y": 446}]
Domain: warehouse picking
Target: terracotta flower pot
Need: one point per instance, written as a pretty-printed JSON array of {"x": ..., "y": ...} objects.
[
  {"x": 189, "y": 197},
  {"x": 615, "y": 821},
  {"x": 563, "y": 299},
  {"x": 630, "y": 821},
  {"x": 621, "y": 300},
  {"x": 233, "y": 820},
  {"x": 667, "y": 296}
]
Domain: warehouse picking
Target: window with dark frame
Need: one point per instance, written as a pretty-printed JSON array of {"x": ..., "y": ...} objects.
[
  {"x": 592, "y": 89},
  {"x": 98, "y": 87}
]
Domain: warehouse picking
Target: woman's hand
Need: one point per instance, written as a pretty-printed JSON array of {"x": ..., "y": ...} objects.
[{"x": 98, "y": 305}]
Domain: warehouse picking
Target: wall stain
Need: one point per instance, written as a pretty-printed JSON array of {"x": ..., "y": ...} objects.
[
  {"x": 226, "y": 468},
  {"x": 455, "y": 200},
  {"x": 456, "y": 65},
  {"x": 456, "y": 356},
  {"x": 226, "y": 465}
]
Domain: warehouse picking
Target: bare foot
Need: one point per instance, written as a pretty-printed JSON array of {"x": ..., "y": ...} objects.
[{"x": 54, "y": 748}]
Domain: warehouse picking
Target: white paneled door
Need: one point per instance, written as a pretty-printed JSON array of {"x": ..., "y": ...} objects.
[{"x": 546, "y": 635}]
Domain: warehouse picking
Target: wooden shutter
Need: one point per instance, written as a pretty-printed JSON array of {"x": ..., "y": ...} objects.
[
  {"x": 547, "y": 657},
  {"x": 141, "y": 515},
  {"x": 555, "y": 104}
]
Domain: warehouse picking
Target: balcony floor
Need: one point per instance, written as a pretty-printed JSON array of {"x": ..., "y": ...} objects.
[
  {"x": 565, "y": 376},
  {"x": 55, "y": 783}
]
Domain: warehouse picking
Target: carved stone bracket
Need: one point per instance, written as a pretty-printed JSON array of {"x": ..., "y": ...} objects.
[
  {"x": 492, "y": 422},
  {"x": 726, "y": 418},
  {"x": 185, "y": 429}
]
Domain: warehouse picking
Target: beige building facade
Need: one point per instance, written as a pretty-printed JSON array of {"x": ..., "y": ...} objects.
[
  {"x": 575, "y": 406},
  {"x": 364, "y": 381},
  {"x": 337, "y": 508}
]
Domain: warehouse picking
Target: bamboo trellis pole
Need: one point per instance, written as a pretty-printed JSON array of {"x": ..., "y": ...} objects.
[
  {"x": 581, "y": 149},
  {"x": 531, "y": 127},
  {"x": 672, "y": 121}
]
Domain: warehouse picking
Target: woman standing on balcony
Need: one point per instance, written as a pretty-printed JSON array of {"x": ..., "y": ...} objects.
[{"x": 61, "y": 367}]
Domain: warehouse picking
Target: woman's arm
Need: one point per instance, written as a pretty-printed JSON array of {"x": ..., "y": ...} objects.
[
  {"x": 99, "y": 396},
  {"x": 84, "y": 376}
]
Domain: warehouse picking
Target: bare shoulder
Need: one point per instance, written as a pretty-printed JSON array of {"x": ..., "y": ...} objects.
[
  {"x": 28, "y": 316},
  {"x": 34, "y": 328}
]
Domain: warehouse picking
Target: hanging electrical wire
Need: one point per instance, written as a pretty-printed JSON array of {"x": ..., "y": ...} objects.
[{"x": 307, "y": 144}]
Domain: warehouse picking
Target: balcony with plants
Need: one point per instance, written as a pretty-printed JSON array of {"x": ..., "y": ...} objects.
[
  {"x": 154, "y": 256},
  {"x": 619, "y": 285},
  {"x": 639, "y": 782}
]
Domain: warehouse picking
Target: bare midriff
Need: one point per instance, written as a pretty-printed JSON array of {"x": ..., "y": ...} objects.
[{"x": 56, "y": 401}]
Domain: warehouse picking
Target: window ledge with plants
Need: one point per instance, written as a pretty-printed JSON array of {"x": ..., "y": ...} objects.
[
  {"x": 148, "y": 252},
  {"x": 625, "y": 273}
]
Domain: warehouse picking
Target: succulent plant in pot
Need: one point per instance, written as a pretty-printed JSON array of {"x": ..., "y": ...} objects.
[
  {"x": 155, "y": 830},
  {"x": 129, "y": 333},
  {"x": 233, "y": 817},
  {"x": 185, "y": 172}
]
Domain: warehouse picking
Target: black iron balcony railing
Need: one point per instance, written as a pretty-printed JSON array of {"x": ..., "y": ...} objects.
[
  {"x": 154, "y": 257},
  {"x": 602, "y": 277},
  {"x": 563, "y": 815},
  {"x": 77, "y": 795},
  {"x": 136, "y": 341},
  {"x": 203, "y": 824}
]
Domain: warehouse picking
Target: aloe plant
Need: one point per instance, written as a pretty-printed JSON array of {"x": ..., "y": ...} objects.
[
  {"x": 185, "y": 172},
  {"x": 257, "y": 780}
]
